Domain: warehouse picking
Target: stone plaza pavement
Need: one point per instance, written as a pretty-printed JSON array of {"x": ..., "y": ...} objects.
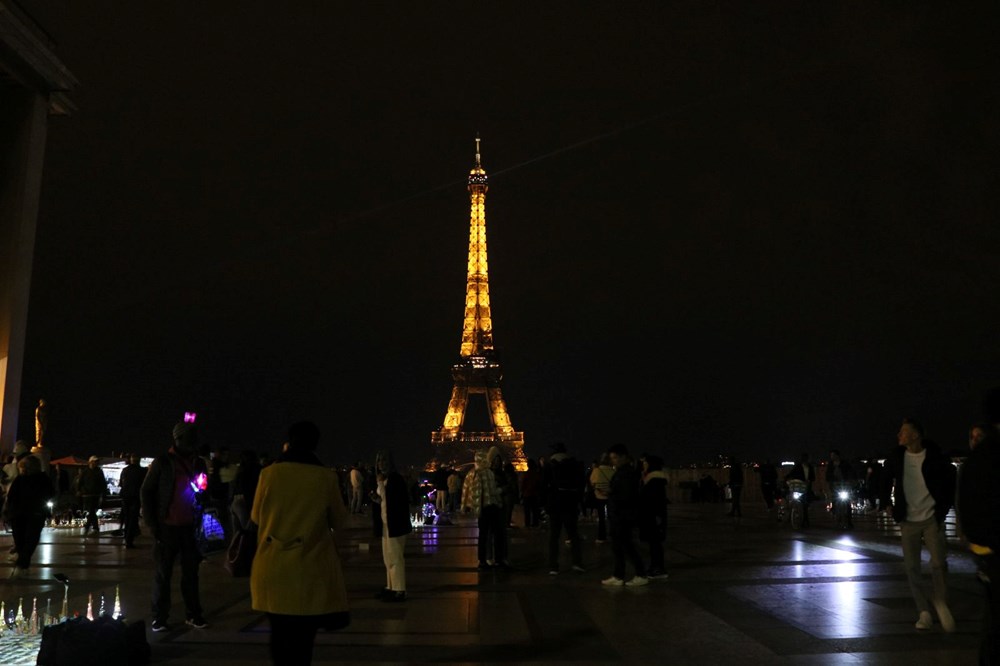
[{"x": 754, "y": 592}]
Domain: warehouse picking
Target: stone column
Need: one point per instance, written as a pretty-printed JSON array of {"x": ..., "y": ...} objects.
[{"x": 23, "y": 118}]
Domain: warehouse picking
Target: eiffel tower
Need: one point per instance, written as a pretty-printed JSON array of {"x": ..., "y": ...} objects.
[{"x": 478, "y": 369}]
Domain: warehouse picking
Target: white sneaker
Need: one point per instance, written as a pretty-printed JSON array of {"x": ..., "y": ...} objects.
[
  {"x": 944, "y": 616},
  {"x": 925, "y": 622},
  {"x": 637, "y": 581},
  {"x": 613, "y": 582}
]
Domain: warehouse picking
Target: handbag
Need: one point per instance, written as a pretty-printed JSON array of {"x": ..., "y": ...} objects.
[{"x": 239, "y": 555}]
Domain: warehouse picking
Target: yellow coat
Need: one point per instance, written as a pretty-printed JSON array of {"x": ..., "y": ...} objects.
[{"x": 296, "y": 570}]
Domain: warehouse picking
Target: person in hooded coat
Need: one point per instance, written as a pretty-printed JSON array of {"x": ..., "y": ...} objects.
[
  {"x": 296, "y": 577},
  {"x": 481, "y": 496}
]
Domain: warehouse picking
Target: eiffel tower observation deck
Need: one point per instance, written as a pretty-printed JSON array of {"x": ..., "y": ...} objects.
[{"x": 478, "y": 370}]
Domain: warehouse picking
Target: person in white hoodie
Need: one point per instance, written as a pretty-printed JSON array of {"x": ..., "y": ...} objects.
[{"x": 653, "y": 512}]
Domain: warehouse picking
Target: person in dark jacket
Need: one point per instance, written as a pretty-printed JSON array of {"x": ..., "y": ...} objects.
[
  {"x": 921, "y": 483},
  {"x": 804, "y": 471},
  {"x": 979, "y": 517},
  {"x": 653, "y": 513},
  {"x": 244, "y": 489},
  {"x": 25, "y": 510},
  {"x": 564, "y": 482},
  {"x": 91, "y": 487},
  {"x": 395, "y": 510},
  {"x": 736, "y": 486},
  {"x": 170, "y": 507},
  {"x": 623, "y": 513},
  {"x": 130, "y": 483},
  {"x": 840, "y": 476},
  {"x": 768, "y": 482},
  {"x": 531, "y": 492}
]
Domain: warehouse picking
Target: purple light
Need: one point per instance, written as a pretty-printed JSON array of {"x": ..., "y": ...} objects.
[{"x": 189, "y": 417}]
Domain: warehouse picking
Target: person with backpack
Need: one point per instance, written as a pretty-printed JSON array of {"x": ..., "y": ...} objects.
[{"x": 564, "y": 483}]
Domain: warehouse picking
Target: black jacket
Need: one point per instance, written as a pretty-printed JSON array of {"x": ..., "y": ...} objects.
[
  {"x": 653, "y": 507},
  {"x": 623, "y": 494},
  {"x": 158, "y": 488},
  {"x": 979, "y": 495},
  {"x": 130, "y": 481},
  {"x": 939, "y": 475},
  {"x": 397, "y": 505},
  {"x": 28, "y": 496}
]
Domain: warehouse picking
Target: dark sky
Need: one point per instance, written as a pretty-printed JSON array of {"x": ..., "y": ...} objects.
[{"x": 741, "y": 227}]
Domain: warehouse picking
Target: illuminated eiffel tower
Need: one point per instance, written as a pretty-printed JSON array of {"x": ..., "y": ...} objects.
[{"x": 478, "y": 369}]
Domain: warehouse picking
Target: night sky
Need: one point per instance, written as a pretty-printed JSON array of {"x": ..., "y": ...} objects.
[{"x": 747, "y": 228}]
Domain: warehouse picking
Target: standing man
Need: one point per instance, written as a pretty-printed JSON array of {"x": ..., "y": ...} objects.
[
  {"x": 840, "y": 475},
  {"x": 564, "y": 481},
  {"x": 395, "y": 509},
  {"x": 623, "y": 515},
  {"x": 91, "y": 488},
  {"x": 170, "y": 508},
  {"x": 804, "y": 471},
  {"x": 440, "y": 489},
  {"x": 130, "y": 483},
  {"x": 979, "y": 515},
  {"x": 768, "y": 482},
  {"x": 922, "y": 484},
  {"x": 357, "y": 488}
]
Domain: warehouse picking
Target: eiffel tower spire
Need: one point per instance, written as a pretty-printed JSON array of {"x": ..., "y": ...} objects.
[{"x": 478, "y": 370}]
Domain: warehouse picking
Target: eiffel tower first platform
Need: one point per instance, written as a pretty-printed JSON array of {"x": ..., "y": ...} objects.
[{"x": 478, "y": 369}]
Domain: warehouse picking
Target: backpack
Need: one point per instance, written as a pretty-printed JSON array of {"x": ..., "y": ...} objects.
[{"x": 102, "y": 642}]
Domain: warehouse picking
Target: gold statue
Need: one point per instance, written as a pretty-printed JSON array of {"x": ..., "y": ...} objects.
[{"x": 41, "y": 422}]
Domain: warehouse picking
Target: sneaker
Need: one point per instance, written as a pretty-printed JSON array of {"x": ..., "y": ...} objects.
[
  {"x": 393, "y": 597},
  {"x": 600, "y": 540},
  {"x": 925, "y": 622},
  {"x": 638, "y": 581},
  {"x": 944, "y": 616},
  {"x": 198, "y": 622},
  {"x": 553, "y": 572},
  {"x": 578, "y": 569},
  {"x": 159, "y": 625},
  {"x": 614, "y": 581}
]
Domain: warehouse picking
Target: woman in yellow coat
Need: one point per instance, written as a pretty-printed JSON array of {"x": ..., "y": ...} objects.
[{"x": 296, "y": 577}]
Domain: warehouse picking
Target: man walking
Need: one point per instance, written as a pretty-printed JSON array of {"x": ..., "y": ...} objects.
[
  {"x": 170, "y": 508},
  {"x": 921, "y": 482}
]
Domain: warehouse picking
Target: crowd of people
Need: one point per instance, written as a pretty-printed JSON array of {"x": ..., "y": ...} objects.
[{"x": 295, "y": 507}]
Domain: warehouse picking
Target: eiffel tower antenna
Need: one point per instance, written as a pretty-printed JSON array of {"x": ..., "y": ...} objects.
[{"x": 478, "y": 369}]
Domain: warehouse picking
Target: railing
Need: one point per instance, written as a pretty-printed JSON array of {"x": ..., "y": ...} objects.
[{"x": 439, "y": 437}]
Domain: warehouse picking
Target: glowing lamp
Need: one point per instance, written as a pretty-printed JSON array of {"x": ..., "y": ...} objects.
[{"x": 200, "y": 483}]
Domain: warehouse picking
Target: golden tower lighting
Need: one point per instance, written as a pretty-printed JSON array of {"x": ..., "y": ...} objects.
[{"x": 478, "y": 370}]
